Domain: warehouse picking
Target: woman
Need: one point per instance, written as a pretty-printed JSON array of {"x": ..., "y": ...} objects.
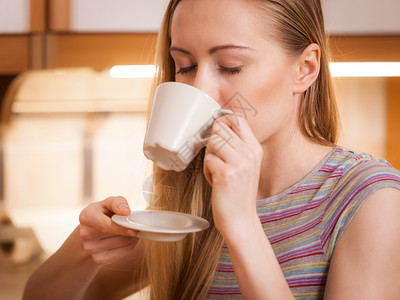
[{"x": 292, "y": 215}]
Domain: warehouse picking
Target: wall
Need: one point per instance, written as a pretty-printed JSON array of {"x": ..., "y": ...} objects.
[
  {"x": 362, "y": 104},
  {"x": 117, "y": 15},
  {"x": 362, "y": 17},
  {"x": 14, "y": 16}
]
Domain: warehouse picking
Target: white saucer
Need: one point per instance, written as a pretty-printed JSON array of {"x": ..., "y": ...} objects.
[{"x": 162, "y": 226}]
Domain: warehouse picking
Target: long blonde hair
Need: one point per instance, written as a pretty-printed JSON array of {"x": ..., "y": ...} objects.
[
  {"x": 295, "y": 25},
  {"x": 185, "y": 269}
]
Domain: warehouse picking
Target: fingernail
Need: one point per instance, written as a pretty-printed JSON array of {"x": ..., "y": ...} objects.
[{"x": 123, "y": 206}]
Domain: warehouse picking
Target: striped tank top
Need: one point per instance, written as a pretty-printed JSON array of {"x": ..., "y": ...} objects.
[{"x": 304, "y": 223}]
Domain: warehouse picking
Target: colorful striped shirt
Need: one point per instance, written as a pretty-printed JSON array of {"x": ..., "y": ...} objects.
[{"x": 305, "y": 222}]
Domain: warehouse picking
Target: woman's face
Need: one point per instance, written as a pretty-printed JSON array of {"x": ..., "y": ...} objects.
[{"x": 221, "y": 48}]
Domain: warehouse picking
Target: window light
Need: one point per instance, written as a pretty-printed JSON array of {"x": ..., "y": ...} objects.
[
  {"x": 365, "y": 69},
  {"x": 133, "y": 71}
]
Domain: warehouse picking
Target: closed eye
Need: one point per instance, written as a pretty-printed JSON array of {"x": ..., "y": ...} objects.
[
  {"x": 183, "y": 71},
  {"x": 230, "y": 71}
]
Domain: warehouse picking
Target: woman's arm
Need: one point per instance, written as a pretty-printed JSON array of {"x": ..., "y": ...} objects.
[
  {"x": 366, "y": 261},
  {"x": 121, "y": 278},
  {"x": 232, "y": 166},
  {"x": 256, "y": 268},
  {"x": 65, "y": 275},
  {"x": 95, "y": 259}
]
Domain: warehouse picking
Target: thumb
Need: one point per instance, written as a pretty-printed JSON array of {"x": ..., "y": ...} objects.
[{"x": 118, "y": 205}]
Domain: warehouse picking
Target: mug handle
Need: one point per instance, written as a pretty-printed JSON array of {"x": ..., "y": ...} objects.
[{"x": 202, "y": 142}]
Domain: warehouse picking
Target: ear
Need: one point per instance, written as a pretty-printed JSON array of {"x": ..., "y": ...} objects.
[{"x": 307, "y": 69}]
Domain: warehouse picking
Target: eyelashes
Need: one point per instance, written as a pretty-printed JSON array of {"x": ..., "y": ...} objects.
[
  {"x": 224, "y": 70},
  {"x": 231, "y": 71},
  {"x": 184, "y": 71}
]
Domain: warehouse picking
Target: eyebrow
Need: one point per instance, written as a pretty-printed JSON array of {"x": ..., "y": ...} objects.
[
  {"x": 213, "y": 49},
  {"x": 224, "y": 47}
]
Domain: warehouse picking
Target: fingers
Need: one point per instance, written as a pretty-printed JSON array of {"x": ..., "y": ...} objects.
[
  {"x": 117, "y": 205},
  {"x": 223, "y": 142},
  {"x": 98, "y": 216},
  {"x": 232, "y": 148},
  {"x": 107, "y": 244},
  {"x": 103, "y": 239},
  {"x": 92, "y": 233},
  {"x": 231, "y": 138},
  {"x": 109, "y": 255},
  {"x": 238, "y": 124}
]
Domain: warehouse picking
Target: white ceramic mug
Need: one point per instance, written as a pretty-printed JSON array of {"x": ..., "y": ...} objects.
[{"x": 180, "y": 117}]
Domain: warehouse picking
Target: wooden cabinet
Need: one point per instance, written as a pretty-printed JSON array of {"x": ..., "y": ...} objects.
[
  {"x": 19, "y": 53},
  {"x": 365, "y": 48},
  {"x": 99, "y": 51},
  {"x": 114, "y": 33},
  {"x": 14, "y": 53},
  {"x": 51, "y": 50},
  {"x": 21, "y": 24},
  {"x": 37, "y": 34},
  {"x": 393, "y": 122}
]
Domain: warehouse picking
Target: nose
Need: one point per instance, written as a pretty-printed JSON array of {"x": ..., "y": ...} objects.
[{"x": 206, "y": 82}]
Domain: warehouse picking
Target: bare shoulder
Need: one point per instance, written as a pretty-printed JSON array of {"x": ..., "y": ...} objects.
[
  {"x": 121, "y": 278},
  {"x": 366, "y": 261}
]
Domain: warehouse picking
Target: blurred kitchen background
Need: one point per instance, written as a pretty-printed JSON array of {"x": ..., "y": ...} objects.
[{"x": 71, "y": 131}]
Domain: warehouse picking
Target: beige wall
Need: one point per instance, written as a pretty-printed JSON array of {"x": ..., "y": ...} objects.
[
  {"x": 60, "y": 114},
  {"x": 362, "y": 104},
  {"x": 44, "y": 160}
]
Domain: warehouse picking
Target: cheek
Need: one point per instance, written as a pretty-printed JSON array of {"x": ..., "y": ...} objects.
[{"x": 273, "y": 106}]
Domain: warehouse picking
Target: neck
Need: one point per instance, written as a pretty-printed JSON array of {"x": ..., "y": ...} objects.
[{"x": 286, "y": 162}]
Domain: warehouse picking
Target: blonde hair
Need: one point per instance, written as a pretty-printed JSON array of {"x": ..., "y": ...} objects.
[
  {"x": 296, "y": 25},
  {"x": 185, "y": 269}
]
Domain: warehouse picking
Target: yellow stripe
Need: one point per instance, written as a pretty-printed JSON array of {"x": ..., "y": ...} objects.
[
  {"x": 303, "y": 265},
  {"x": 294, "y": 221},
  {"x": 285, "y": 224},
  {"x": 284, "y": 201},
  {"x": 328, "y": 214},
  {"x": 295, "y": 198},
  {"x": 225, "y": 278},
  {"x": 337, "y": 187},
  {"x": 334, "y": 233},
  {"x": 295, "y": 241}
]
